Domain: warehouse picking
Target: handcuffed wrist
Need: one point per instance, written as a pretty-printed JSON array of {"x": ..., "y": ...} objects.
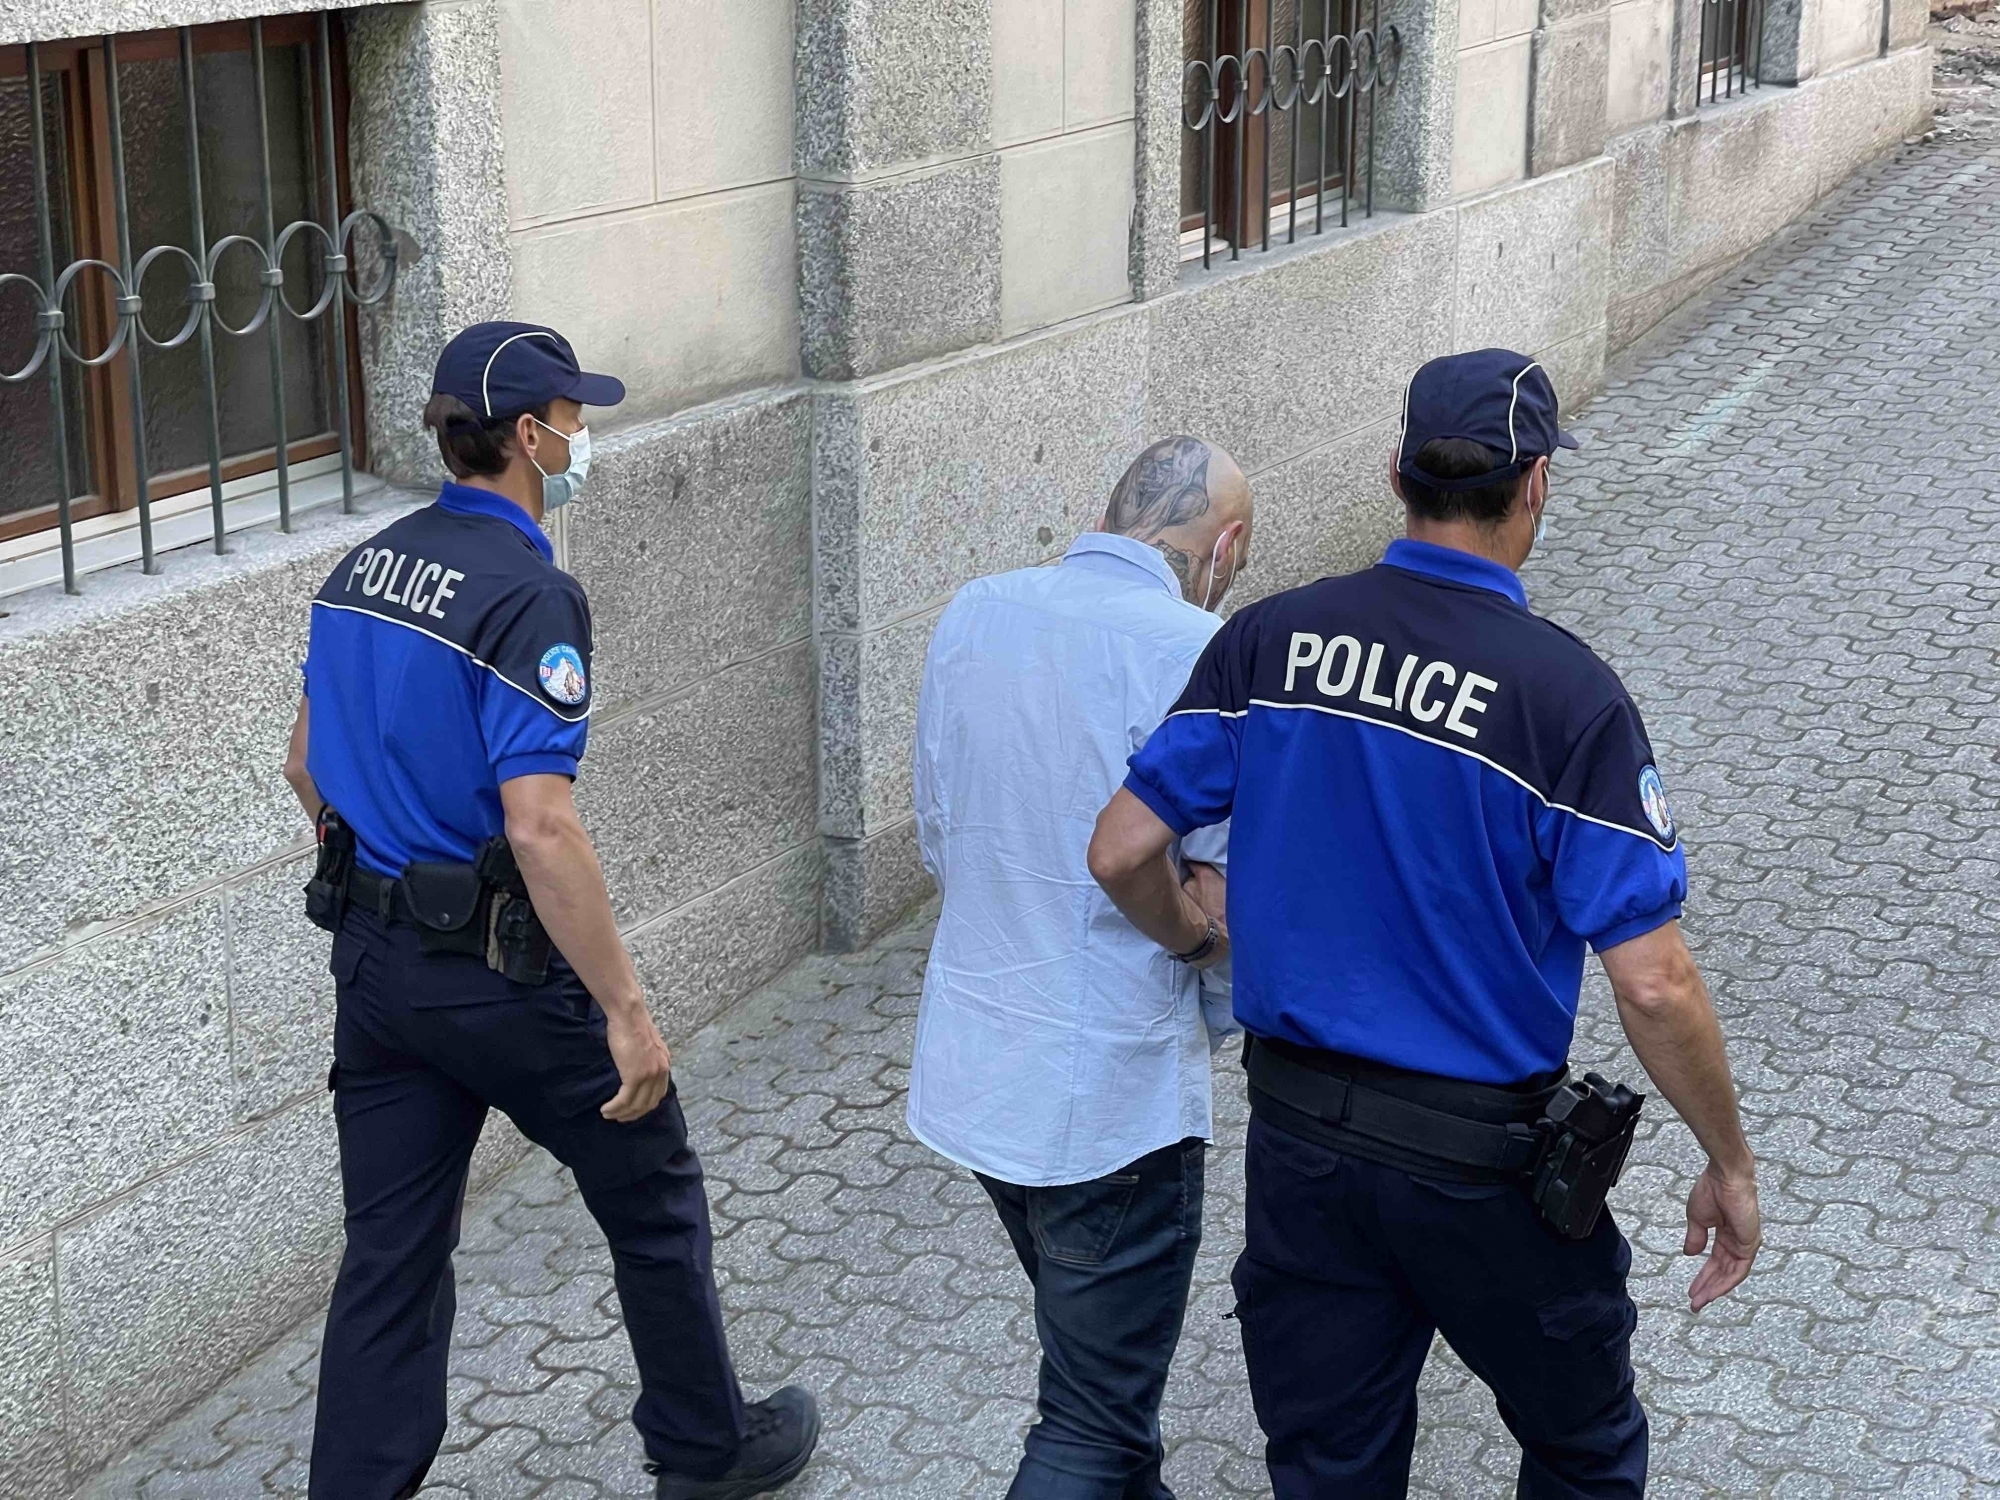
[{"x": 1201, "y": 950}]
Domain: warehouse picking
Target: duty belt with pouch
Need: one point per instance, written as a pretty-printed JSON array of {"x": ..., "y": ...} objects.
[
  {"x": 1565, "y": 1143},
  {"x": 480, "y": 909}
]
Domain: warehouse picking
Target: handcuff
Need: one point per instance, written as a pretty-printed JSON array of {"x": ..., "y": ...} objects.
[{"x": 1201, "y": 949}]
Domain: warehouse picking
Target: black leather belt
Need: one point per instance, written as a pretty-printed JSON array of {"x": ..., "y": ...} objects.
[
  {"x": 381, "y": 894},
  {"x": 1369, "y": 1119}
]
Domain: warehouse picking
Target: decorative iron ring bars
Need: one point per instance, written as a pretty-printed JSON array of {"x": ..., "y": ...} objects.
[
  {"x": 1291, "y": 77},
  {"x": 339, "y": 290},
  {"x": 53, "y": 323}
]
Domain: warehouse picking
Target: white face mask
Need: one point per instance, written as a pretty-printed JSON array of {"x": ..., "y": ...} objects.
[
  {"x": 1214, "y": 568},
  {"x": 1542, "y": 517},
  {"x": 559, "y": 489}
]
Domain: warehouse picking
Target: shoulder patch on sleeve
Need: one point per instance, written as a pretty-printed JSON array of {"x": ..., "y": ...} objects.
[
  {"x": 562, "y": 674},
  {"x": 1653, "y": 798}
]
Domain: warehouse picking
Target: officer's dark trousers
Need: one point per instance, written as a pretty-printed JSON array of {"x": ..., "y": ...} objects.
[
  {"x": 422, "y": 1045},
  {"x": 1347, "y": 1270},
  {"x": 1111, "y": 1261}
]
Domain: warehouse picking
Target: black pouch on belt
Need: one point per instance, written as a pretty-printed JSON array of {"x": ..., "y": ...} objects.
[
  {"x": 1587, "y": 1131},
  {"x": 448, "y": 904}
]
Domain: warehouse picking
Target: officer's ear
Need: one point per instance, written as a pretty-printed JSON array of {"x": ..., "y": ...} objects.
[
  {"x": 1536, "y": 479},
  {"x": 526, "y": 436}
]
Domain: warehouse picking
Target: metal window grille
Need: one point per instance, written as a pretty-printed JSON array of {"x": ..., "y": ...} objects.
[
  {"x": 1732, "y": 49},
  {"x": 1284, "y": 83},
  {"x": 202, "y": 321}
]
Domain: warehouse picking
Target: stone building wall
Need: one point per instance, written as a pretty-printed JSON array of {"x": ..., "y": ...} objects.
[{"x": 870, "y": 362}]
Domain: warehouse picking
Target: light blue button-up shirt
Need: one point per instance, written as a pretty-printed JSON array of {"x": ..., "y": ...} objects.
[{"x": 1055, "y": 1043}]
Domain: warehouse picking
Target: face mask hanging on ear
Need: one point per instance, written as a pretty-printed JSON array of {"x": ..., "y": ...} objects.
[
  {"x": 559, "y": 489},
  {"x": 1215, "y": 567},
  {"x": 1542, "y": 519}
]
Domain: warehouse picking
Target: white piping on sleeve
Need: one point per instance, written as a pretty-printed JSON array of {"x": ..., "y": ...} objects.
[
  {"x": 1339, "y": 713},
  {"x": 350, "y": 609}
]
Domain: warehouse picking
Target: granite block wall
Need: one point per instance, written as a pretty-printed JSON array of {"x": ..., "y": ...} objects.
[
  {"x": 1568, "y": 89},
  {"x": 899, "y": 202},
  {"x": 48, "y": 20},
  {"x": 424, "y": 139}
]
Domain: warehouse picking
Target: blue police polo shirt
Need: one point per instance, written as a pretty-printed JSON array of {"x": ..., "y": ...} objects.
[
  {"x": 448, "y": 654},
  {"x": 1437, "y": 798}
]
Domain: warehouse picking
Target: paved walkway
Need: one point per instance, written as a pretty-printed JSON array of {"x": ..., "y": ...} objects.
[{"x": 1784, "y": 534}]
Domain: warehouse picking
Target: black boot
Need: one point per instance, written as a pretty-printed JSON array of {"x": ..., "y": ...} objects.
[{"x": 779, "y": 1434}]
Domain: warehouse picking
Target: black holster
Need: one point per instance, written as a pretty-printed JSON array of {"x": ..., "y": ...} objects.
[
  {"x": 1587, "y": 1134},
  {"x": 517, "y": 944},
  {"x": 326, "y": 891}
]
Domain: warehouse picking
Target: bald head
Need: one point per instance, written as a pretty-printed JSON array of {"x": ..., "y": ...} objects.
[{"x": 1187, "y": 498}]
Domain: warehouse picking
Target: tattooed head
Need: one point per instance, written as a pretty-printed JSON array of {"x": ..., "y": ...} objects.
[
  {"x": 1180, "y": 496},
  {"x": 1167, "y": 486}
]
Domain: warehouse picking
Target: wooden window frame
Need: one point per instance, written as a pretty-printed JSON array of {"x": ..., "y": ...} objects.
[
  {"x": 106, "y": 391},
  {"x": 1242, "y": 25}
]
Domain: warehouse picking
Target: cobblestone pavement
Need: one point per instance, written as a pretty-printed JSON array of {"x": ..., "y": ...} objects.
[{"x": 1782, "y": 532}]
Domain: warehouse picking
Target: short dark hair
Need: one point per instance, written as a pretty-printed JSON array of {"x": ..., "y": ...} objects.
[
  {"x": 469, "y": 443},
  {"x": 1459, "y": 458}
]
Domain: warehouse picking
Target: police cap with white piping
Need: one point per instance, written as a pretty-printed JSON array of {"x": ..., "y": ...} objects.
[{"x": 1494, "y": 397}]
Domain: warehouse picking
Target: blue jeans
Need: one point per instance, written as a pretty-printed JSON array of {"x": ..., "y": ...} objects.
[
  {"x": 1349, "y": 1267},
  {"x": 1111, "y": 1261}
]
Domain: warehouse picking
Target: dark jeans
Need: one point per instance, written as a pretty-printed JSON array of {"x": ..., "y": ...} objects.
[
  {"x": 422, "y": 1045},
  {"x": 1111, "y": 1261},
  {"x": 1349, "y": 1267}
]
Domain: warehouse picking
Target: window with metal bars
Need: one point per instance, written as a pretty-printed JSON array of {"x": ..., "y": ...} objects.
[
  {"x": 1732, "y": 49},
  {"x": 1278, "y": 105},
  {"x": 177, "y": 279}
]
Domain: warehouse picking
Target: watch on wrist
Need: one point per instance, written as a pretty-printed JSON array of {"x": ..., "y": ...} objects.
[{"x": 1201, "y": 949}]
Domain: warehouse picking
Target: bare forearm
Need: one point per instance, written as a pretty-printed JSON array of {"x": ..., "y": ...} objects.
[
  {"x": 1128, "y": 858},
  {"x": 1671, "y": 1022},
  {"x": 296, "y": 775},
  {"x": 308, "y": 795},
  {"x": 567, "y": 886},
  {"x": 1153, "y": 901}
]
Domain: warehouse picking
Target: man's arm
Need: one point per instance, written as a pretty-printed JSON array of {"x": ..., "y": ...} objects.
[
  {"x": 566, "y": 885},
  {"x": 295, "y": 767},
  {"x": 1666, "y": 1012},
  {"x": 1128, "y": 857}
]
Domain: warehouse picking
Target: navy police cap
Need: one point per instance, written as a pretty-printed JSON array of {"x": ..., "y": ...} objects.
[
  {"x": 1495, "y": 397},
  {"x": 504, "y": 369}
]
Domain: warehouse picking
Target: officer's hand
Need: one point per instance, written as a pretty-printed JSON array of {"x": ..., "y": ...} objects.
[
  {"x": 1729, "y": 1207},
  {"x": 644, "y": 1065},
  {"x": 1197, "y": 911},
  {"x": 1210, "y": 891}
]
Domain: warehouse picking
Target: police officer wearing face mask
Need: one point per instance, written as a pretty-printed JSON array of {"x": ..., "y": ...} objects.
[
  {"x": 1438, "y": 800},
  {"x": 477, "y": 962}
]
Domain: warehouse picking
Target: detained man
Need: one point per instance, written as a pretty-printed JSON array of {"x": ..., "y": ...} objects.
[{"x": 1061, "y": 1055}]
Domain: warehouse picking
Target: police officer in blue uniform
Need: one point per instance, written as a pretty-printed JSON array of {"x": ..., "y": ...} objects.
[
  {"x": 477, "y": 962},
  {"x": 1438, "y": 800}
]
